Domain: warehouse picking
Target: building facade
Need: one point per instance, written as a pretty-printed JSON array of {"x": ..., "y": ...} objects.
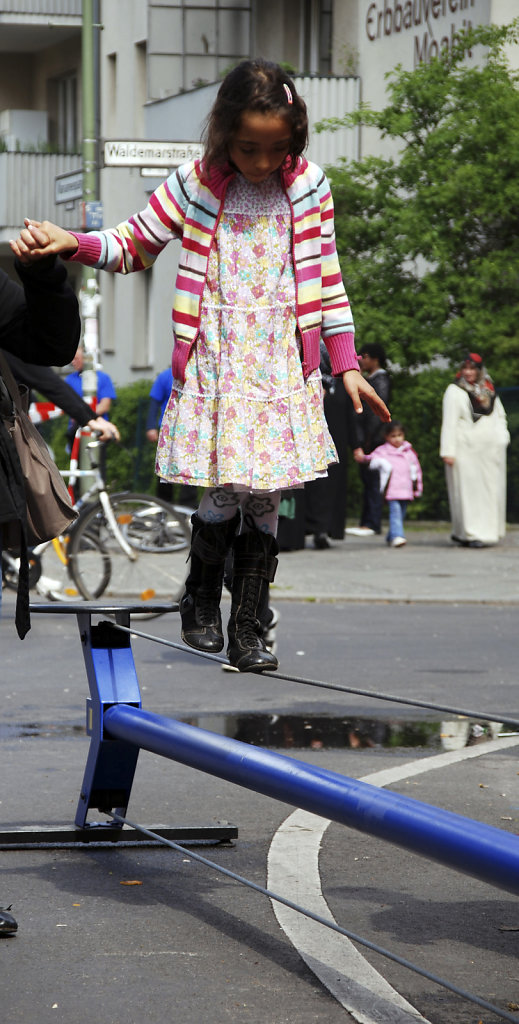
[{"x": 159, "y": 65}]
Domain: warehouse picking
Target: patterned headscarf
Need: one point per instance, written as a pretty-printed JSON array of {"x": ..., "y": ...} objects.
[{"x": 482, "y": 393}]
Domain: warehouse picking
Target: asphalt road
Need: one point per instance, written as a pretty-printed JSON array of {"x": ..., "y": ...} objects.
[{"x": 189, "y": 944}]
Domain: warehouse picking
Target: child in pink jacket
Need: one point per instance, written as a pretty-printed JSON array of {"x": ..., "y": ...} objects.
[{"x": 400, "y": 469}]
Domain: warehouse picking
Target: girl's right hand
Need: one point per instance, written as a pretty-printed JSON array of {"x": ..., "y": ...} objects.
[
  {"x": 42, "y": 238},
  {"x": 361, "y": 390}
]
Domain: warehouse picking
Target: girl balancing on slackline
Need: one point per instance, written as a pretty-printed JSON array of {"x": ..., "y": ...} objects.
[{"x": 258, "y": 285}]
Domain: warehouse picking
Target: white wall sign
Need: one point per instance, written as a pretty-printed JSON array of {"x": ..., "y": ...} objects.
[
  {"x": 431, "y": 25},
  {"x": 68, "y": 187},
  {"x": 140, "y": 153}
]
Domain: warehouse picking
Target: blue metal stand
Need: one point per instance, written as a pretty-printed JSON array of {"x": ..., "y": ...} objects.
[
  {"x": 111, "y": 763},
  {"x": 119, "y": 728}
]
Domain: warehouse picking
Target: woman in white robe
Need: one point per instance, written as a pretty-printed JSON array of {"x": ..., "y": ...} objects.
[{"x": 473, "y": 443}]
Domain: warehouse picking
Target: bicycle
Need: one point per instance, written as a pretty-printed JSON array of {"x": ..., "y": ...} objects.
[{"x": 124, "y": 546}]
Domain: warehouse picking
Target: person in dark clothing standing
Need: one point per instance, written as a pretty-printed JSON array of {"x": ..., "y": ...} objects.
[
  {"x": 40, "y": 323},
  {"x": 367, "y": 435},
  {"x": 325, "y": 498}
]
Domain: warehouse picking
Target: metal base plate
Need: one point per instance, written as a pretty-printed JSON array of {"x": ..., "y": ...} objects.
[{"x": 110, "y": 834}]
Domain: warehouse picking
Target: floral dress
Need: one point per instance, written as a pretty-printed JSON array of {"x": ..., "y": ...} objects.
[{"x": 244, "y": 416}]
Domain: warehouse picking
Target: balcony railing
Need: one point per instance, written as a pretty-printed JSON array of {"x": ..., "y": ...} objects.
[
  {"x": 35, "y": 7},
  {"x": 27, "y": 189}
]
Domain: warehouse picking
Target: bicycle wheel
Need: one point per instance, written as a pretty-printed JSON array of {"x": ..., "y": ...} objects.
[
  {"x": 58, "y": 583},
  {"x": 158, "y": 536},
  {"x": 153, "y": 524},
  {"x": 10, "y": 567}
]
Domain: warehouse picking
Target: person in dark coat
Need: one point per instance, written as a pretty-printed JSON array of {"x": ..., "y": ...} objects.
[
  {"x": 325, "y": 499},
  {"x": 368, "y": 433},
  {"x": 39, "y": 323}
]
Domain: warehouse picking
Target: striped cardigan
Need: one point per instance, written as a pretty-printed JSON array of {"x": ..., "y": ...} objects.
[{"x": 188, "y": 205}]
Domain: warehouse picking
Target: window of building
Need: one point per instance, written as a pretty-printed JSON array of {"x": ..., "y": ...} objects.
[
  {"x": 315, "y": 36},
  {"x": 63, "y": 113},
  {"x": 190, "y": 40},
  {"x": 110, "y": 112}
]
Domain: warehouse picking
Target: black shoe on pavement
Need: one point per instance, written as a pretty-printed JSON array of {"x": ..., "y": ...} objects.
[
  {"x": 8, "y": 925},
  {"x": 321, "y": 541}
]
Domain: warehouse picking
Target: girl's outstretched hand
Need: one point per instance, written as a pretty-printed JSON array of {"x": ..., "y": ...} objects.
[
  {"x": 360, "y": 390},
  {"x": 42, "y": 238}
]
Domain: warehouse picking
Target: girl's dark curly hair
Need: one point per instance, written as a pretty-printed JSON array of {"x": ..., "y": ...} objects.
[
  {"x": 392, "y": 427},
  {"x": 257, "y": 85}
]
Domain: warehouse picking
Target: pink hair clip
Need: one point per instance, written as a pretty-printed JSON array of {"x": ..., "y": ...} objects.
[{"x": 289, "y": 94}]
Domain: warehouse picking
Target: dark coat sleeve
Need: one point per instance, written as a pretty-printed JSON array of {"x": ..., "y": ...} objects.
[
  {"x": 366, "y": 428},
  {"x": 52, "y": 386},
  {"x": 39, "y": 322}
]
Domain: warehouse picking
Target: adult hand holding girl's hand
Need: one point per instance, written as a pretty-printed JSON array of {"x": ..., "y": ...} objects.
[
  {"x": 360, "y": 390},
  {"x": 42, "y": 238}
]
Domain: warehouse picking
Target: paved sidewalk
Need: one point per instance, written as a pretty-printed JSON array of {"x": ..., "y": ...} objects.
[{"x": 429, "y": 568}]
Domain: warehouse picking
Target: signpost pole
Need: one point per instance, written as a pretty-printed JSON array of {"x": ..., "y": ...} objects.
[{"x": 89, "y": 291}]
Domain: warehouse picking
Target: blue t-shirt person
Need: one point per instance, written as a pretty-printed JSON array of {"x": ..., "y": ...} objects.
[
  {"x": 106, "y": 392},
  {"x": 159, "y": 396}
]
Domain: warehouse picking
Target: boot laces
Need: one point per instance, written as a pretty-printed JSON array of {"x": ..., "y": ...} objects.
[
  {"x": 207, "y": 607},
  {"x": 248, "y": 625}
]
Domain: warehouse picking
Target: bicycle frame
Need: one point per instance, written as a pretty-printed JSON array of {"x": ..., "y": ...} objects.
[
  {"x": 98, "y": 489},
  {"x": 111, "y": 516}
]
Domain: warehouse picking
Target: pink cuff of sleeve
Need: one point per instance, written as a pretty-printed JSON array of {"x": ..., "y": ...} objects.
[
  {"x": 88, "y": 250},
  {"x": 341, "y": 348}
]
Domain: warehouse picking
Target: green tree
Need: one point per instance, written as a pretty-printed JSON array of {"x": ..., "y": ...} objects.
[{"x": 429, "y": 239}]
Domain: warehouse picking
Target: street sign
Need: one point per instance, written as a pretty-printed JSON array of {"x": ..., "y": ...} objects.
[
  {"x": 92, "y": 219},
  {"x": 142, "y": 153},
  {"x": 68, "y": 187}
]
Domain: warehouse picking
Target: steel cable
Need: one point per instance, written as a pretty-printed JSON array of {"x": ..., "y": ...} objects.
[{"x": 486, "y": 716}]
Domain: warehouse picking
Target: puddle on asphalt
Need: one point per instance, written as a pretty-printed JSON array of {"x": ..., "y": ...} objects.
[
  {"x": 327, "y": 732},
  {"x": 298, "y": 732},
  {"x": 40, "y": 729}
]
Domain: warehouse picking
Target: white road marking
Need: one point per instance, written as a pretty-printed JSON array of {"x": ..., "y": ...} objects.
[{"x": 293, "y": 871}]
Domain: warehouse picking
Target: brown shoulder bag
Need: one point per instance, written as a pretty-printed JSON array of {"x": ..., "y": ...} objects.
[{"x": 49, "y": 506}]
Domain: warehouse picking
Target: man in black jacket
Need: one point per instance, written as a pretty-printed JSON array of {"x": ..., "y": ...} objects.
[
  {"x": 39, "y": 323},
  {"x": 368, "y": 433}
]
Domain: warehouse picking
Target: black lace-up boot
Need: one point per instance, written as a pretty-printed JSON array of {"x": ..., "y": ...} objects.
[
  {"x": 200, "y": 603},
  {"x": 254, "y": 568}
]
